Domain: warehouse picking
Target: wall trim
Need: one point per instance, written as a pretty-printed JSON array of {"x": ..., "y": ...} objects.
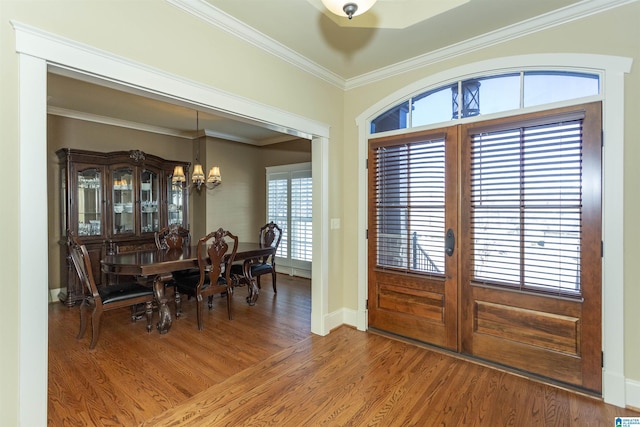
[
  {"x": 540, "y": 23},
  {"x": 343, "y": 316},
  {"x": 633, "y": 394}
]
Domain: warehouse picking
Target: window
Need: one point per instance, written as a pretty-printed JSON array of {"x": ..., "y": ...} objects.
[
  {"x": 526, "y": 201},
  {"x": 486, "y": 95},
  {"x": 289, "y": 204},
  {"x": 410, "y": 206}
]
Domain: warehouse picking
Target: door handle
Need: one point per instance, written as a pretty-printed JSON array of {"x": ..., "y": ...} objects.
[{"x": 449, "y": 242}]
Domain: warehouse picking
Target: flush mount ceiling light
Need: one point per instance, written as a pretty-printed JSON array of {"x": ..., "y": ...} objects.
[{"x": 348, "y": 8}]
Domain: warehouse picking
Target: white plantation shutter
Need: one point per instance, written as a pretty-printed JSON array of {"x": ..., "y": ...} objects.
[
  {"x": 289, "y": 204},
  {"x": 301, "y": 241},
  {"x": 278, "y": 207}
]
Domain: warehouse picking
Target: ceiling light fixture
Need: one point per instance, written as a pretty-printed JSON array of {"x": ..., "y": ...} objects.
[
  {"x": 348, "y": 8},
  {"x": 213, "y": 180}
]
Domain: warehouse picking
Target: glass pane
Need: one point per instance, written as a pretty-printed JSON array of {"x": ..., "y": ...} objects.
[
  {"x": 544, "y": 87},
  {"x": 89, "y": 203},
  {"x": 488, "y": 95},
  {"x": 395, "y": 118},
  {"x": 431, "y": 107},
  {"x": 410, "y": 206},
  {"x": 123, "y": 215},
  {"x": 176, "y": 202},
  {"x": 526, "y": 194},
  {"x": 149, "y": 196}
]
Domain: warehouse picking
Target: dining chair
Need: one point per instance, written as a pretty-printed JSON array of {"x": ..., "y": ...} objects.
[
  {"x": 104, "y": 298},
  {"x": 174, "y": 236},
  {"x": 214, "y": 261},
  {"x": 269, "y": 235}
]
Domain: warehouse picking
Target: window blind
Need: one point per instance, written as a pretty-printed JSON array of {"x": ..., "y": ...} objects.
[
  {"x": 410, "y": 206},
  {"x": 526, "y": 201}
]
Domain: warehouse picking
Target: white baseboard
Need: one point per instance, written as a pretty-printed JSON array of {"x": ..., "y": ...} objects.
[
  {"x": 343, "y": 316},
  {"x": 293, "y": 271},
  {"x": 53, "y": 295},
  {"x": 632, "y": 390}
]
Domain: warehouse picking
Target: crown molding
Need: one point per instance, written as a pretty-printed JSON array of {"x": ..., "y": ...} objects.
[
  {"x": 226, "y": 22},
  {"x": 110, "y": 121},
  {"x": 552, "y": 19},
  {"x": 222, "y": 20}
]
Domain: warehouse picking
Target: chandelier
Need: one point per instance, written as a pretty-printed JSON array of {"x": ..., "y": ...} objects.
[
  {"x": 213, "y": 179},
  {"x": 348, "y": 8}
]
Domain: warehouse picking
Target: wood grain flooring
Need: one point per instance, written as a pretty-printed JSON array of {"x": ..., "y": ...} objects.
[{"x": 265, "y": 368}]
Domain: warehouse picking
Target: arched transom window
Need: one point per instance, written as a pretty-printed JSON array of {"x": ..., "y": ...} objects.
[{"x": 486, "y": 95}]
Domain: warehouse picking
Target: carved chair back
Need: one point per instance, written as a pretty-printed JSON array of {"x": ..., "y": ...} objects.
[
  {"x": 270, "y": 235},
  {"x": 82, "y": 263},
  {"x": 212, "y": 249},
  {"x": 172, "y": 237}
]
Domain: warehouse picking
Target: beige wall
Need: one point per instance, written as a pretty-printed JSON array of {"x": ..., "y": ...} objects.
[
  {"x": 159, "y": 35},
  {"x": 237, "y": 205}
]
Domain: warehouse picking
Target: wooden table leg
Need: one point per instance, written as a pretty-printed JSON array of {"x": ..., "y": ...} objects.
[
  {"x": 251, "y": 282},
  {"x": 164, "y": 315}
]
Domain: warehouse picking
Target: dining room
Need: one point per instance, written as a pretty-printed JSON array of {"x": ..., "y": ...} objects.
[{"x": 239, "y": 204}]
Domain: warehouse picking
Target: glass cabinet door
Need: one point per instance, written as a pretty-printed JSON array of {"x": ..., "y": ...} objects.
[
  {"x": 175, "y": 202},
  {"x": 89, "y": 202},
  {"x": 123, "y": 202},
  {"x": 149, "y": 197}
]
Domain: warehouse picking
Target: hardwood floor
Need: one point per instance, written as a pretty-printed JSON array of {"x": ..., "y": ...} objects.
[{"x": 266, "y": 368}]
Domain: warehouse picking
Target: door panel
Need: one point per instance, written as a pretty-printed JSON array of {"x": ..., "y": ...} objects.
[
  {"x": 412, "y": 289},
  {"x": 521, "y": 320}
]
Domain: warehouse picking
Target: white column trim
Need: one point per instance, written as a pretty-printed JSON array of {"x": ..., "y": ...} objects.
[
  {"x": 320, "y": 265},
  {"x": 33, "y": 282}
]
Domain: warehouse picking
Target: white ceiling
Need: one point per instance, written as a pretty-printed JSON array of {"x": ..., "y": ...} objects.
[{"x": 392, "y": 32}]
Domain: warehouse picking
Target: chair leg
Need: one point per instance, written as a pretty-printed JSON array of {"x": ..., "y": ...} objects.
[
  {"x": 210, "y": 302},
  {"x": 273, "y": 281},
  {"x": 230, "y": 302},
  {"x": 136, "y": 312},
  {"x": 149, "y": 313},
  {"x": 199, "y": 312},
  {"x": 258, "y": 282},
  {"x": 178, "y": 302},
  {"x": 83, "y": 318},
  {"x": 96, "y": 317}
]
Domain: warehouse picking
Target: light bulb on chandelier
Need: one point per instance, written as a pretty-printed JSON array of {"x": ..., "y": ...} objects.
[{"x": 348, "y": 8}]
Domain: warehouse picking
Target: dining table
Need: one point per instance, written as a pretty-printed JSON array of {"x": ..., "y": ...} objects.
[{"x": 158, "y": 266}]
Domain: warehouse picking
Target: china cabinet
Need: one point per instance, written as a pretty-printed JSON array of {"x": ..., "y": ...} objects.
[{"x": 114, "y": 202}]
